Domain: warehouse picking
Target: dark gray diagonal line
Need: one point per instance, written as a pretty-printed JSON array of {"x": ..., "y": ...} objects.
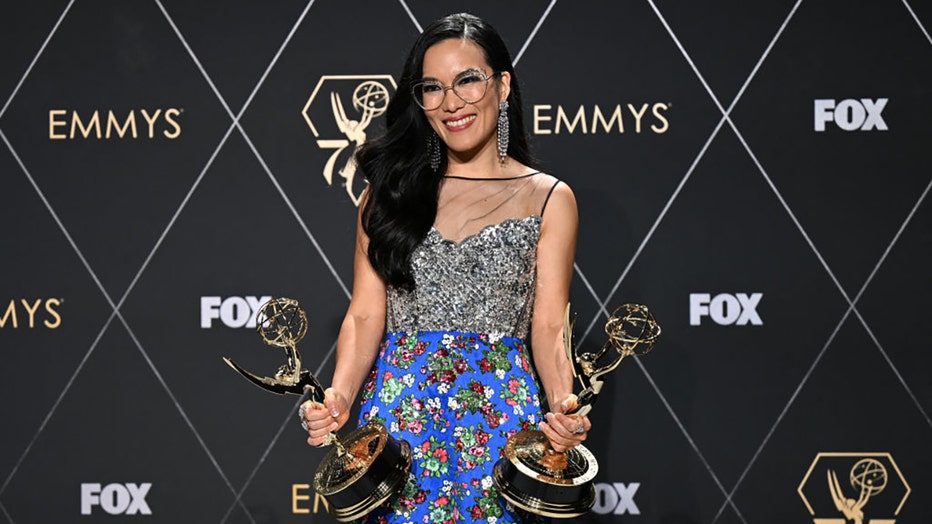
[
  {"x": 786, "y": 409},
  {"x": 235, "y": 123},
  {"x": 6, "y": 513},
  {"x": 278, "y": 54},
  {"x": 411, "y": 16},
  {"x": 174, "y": 218},
  {"x": 844, "y": 294},
  {"x": 602, "y": 307},
  {"x": 689, "y": 171},
  {"x": 805, "y": 379},
  {"x": 36, "y": 58},
  {"x": 676, "y": 419},
  {"x": 180, "y": 409},
  {"x": 100, "y": 286},
  {"x": 896, "y": 371},
  {"x": 893, "y": 242},
  {"x": 533, "y": 32},
  {"x": 58, "y": 221},
  {"x": 330, "y": 353},
  {"x": 216, "y": 151},
  {"x": 828, "y": 270},
  {"x": 867, "y": 282},
  {"x": 109, "y": 300},
  {"x": 916, "y": 18},
  {"x": 725, "y": 117},
  {"x": 294, "y": 212},
  {"x": 61, "y": 395},
  {"x": 725, "y": 113},
  {"x": 604, "y": 312},
  {"x": 653, "y": 228},
  {"x": 194, "y": 186},
  {"x": 61, "y": 226},
  {"x": 882, "y": 258},
  {"x": 764, "y": 56},
  {"x": 288, "y": 421},
  {"x": 686, "y": 434},
  {"x": 197, "y": 62},
  {"x": 582, "y": 276}
]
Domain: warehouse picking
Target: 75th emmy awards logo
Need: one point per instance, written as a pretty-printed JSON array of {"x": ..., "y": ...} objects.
[
  {"x": 363, "y": 468},
  {"x": 860, "y": 488},
  {"x": 339, "y": 112},
  {"x": 535, "y": 477}
]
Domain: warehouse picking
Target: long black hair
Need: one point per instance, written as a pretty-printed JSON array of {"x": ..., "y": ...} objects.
[{"x": 402, "y": 198}]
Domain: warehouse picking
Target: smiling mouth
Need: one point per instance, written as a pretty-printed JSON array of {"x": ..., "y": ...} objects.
[{"x": 460, "y": 122}]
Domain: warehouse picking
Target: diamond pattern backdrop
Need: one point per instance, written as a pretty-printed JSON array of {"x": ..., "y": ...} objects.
[{"x": 756, "y": 172}]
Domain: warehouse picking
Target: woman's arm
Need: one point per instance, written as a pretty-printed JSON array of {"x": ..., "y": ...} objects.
[
  {"x": 357, "y": 345},
  {"x": 556, "y": 250}
]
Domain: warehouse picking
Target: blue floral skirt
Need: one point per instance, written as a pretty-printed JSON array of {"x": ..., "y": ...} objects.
[{"x": 456, "y": 398}]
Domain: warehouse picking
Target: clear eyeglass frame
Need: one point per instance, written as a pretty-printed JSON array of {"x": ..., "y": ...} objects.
[{"x": 459, "y": 83}]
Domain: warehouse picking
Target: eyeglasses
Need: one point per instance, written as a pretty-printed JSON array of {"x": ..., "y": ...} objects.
[{"x": 470, "y": 86}]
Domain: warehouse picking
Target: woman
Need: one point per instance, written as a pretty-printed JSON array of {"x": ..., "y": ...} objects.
[{"x": 463, "y": 252}]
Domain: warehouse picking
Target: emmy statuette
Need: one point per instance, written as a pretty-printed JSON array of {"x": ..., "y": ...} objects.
[
  {"x": 362, "y": 469},
  {"x": 533, "y": 476}
]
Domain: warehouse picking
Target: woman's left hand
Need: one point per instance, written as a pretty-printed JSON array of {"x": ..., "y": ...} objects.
[{"x": 565, "y": 431}]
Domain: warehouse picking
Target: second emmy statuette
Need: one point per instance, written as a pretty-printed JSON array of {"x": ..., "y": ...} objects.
[
  {"x": 533, "y": 476},
  {"x": 364, "y": 468}
]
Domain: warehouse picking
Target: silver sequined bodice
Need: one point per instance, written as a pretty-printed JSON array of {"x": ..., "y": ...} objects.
[{"x": 484, "y": 284}]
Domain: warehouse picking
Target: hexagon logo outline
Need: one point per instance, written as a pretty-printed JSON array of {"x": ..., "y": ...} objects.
[
  {"x": 368, "y": 99},
  {"x": 868, "y": 474}
]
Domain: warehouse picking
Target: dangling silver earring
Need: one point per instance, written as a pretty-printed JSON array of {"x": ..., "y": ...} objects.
[
  {"x": 433, "y": 150},
  {"x": 502, "y": 131}
]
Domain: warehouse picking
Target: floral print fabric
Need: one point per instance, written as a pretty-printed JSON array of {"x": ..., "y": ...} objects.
[{"x": 456, "y": 398}]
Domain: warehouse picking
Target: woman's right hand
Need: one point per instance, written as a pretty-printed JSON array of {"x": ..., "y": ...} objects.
[{"x": 323, "y": 419}]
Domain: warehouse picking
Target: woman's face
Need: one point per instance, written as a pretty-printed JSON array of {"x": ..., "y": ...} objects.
[{"x": 466, "y": 128}]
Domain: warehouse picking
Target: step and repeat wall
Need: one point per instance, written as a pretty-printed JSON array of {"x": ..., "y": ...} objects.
[{"x": 755, "y": 172}]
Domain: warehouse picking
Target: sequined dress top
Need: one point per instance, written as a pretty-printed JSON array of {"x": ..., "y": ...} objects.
[{"x": 484, "y": 284}]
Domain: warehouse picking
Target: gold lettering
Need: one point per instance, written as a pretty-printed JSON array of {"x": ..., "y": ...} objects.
[
  {"x": 129, "y": 123},
  {"x": 174, "y": 123},
  {"x": 295, "y": 498},
  {"x": 53, "y": 123},
  {"x": 48, "y": 307},
  {"x": 32, "y": 310},
  {"x": 85, "y": 131},
  {"x": 115, "y": 128},
  {"x": 318, "y": 501},
  {"x": 637, "y": 116},
  {"x": 580, "y": 118},
  {"x": 10, "y": 312},
  {"x": 151, "y": 121},
  {"x": 538, "y": 118},
  {"x": 666, "y": 124},
  {"x": 607, "y": 126}
]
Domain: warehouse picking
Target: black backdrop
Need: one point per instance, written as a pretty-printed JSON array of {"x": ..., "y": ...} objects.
[{"x": 756, "y": 172}]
